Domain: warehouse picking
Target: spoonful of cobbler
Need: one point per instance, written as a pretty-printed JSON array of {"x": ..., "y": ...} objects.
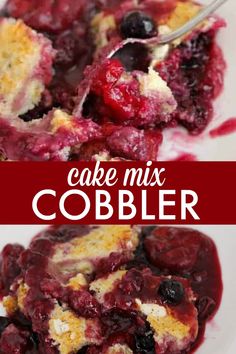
[{"x": 139, "y": 28}]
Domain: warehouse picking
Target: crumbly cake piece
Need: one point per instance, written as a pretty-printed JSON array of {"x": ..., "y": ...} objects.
[
  {"x": 26, "y": 59},
  {"x": 84, "y": 252},
  {"x": 15, "y": 301},
  {"x": 50, "y": 138},
  {"x": 170, "y": 333},
  {"x": 70, "y": 332}
]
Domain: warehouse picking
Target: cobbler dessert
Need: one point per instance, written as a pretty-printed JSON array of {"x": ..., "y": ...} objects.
[
  {"x": 110, "y": 290},
  {"x": 64, "y": 96}
]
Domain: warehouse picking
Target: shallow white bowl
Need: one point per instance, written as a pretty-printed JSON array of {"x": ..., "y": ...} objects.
[{"x": 221, "y": 332}]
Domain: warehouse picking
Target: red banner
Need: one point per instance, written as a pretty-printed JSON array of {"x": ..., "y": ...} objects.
[{"x": 126, "y": 192}]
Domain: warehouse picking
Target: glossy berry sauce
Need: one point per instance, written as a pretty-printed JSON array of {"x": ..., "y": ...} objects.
[
  {"x": 227, "y": 127},
  {"x": 190, "y": 254},
  {"x": 187, "y": 255},
  {"x": 194, "y": 71}
]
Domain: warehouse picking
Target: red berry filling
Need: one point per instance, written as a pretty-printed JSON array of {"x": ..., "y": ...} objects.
[
  {"x": 195, "y": 73},
  {"x": 52, "y": 16},
  {"x": 173, "y": 249},
  {"x": 120, "y": 97},
  {"x": 185, "y": 251},
  {"x": 14, "y": 340},
  {"x": 9, "y": 264},
  {"x": 134, "y": 144}
]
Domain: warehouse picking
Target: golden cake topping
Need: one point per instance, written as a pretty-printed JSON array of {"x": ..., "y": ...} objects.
[
  {"x": 69, "y": 331},
  {"x": 99, "y": 243},
  {"x": 23, "y": 70}
]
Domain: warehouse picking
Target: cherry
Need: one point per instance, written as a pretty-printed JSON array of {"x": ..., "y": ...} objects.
[{"x": 175, "y": 249}]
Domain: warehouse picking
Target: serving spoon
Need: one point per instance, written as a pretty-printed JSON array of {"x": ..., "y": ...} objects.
[
  {"x": 157, "y": 40},
  {"x": 170, "y": 37}
]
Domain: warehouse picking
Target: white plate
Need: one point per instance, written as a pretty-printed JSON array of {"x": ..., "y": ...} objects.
[
  {"x": 221, "y": 331},
  {"x": 203, "y": 147}
]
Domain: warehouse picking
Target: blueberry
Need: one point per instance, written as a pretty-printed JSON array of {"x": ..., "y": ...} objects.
[
  {"x": 4, "y": 322},
  {"x": 137, "y": 24},
  {"x": 144, "y": 344},
  {"x": 171, "y": 292}
]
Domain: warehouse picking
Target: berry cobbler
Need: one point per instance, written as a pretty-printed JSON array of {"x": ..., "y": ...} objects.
[
  {"x": 109, "y": 289},
  {"x": 63, "y": 96}
]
